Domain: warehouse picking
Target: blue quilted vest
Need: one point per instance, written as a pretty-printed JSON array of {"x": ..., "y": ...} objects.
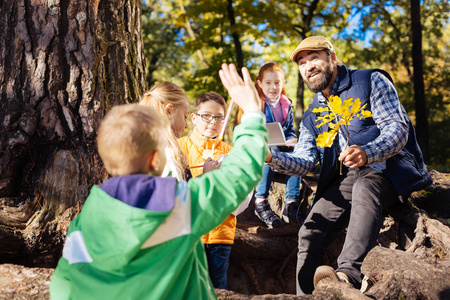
[{"x": 406, "y": 170}]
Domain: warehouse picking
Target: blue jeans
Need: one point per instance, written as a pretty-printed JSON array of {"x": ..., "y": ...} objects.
[
  {"x": 218, "y": 256},
  {"x": 358, "y": 196},
  {"x": 292, "y": 185}
]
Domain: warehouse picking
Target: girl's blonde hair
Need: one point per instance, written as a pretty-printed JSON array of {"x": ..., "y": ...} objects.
[
  {"x": 268, "y": 67},
  {"x": 158, "y": 97}
]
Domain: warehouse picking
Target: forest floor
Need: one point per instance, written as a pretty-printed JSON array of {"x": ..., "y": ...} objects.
[{"x": 412, "y": 260}]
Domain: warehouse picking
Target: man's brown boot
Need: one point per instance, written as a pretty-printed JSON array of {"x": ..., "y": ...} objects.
[{"x": 328, "y": 272}]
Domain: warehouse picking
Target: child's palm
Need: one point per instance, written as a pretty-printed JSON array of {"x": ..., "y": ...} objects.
[{"x": 242, "y": 92}]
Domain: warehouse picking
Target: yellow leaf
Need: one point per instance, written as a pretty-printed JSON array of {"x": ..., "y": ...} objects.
[
  {"x": 364, "y": 106},
  {"x": 326, "y": 139},
  {"x": 347, "y": 103},
  {"x": 364, "y": 114},
  {"x": 325, "y": 119},
  {"x": 342, "y": 121},
  {"x": 356, "y": 106},
  {"x": 320, "y": 109},
  {"x": 346, "y": 112},
  {"x": 335, "y": 104}
]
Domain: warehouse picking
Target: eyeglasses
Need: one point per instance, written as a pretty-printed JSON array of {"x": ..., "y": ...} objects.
[{"x": 208, "y": 118}]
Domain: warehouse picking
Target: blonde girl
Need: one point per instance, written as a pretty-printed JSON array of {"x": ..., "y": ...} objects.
[{"x": 171, "y": 101}]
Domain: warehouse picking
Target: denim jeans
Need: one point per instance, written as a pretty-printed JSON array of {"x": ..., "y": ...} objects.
[
  {"x": 292, "y": 185},
  {"x": 218, "y": 256},
  {"x": 360, "y": 195}
]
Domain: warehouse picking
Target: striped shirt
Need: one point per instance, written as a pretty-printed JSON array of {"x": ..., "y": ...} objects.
[{"x": 387, "y": 114}]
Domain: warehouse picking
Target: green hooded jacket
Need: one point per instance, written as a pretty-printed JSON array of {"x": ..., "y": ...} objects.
[{"x": 139, "y": 236}]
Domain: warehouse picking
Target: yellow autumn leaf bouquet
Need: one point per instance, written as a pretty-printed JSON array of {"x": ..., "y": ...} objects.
[{"x": 342, "y": 112}]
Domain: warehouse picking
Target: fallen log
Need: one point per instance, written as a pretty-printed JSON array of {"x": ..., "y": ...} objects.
[{"x": 401, "y": 275}]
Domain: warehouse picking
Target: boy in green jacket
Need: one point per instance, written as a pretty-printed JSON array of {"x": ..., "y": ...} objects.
[{"x": 138, "y": 236}]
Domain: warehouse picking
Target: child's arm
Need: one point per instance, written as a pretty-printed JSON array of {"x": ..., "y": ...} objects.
[
  {"x": 218, "y": 193},
  {"x": 289, "y": 132}
]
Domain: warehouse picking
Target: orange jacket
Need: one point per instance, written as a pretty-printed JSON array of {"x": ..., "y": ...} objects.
[{"x": 197, "y": 149}]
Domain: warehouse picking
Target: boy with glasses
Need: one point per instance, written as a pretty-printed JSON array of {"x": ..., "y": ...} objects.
[{"x": 208, "y": 118}]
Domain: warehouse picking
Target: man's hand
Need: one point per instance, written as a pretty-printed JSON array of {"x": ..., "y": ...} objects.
[
  {"x": 243, "y": 92},
  {"x": 354, "y": 156}
]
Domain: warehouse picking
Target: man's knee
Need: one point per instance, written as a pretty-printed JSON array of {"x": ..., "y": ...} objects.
[
  {"x": 374, "y": 190},
  {"x": 369, "y": 187}
]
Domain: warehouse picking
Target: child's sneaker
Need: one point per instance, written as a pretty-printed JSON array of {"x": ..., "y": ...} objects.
[
  {"x": 265, "y": 213},
  {"x": 291, "y": 214}
]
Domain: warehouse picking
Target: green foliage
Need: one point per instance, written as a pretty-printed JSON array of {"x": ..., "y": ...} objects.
[
  {"x": 208, "y": 42},
  {"x": 164, "y": 57},
  {"x": 186, "y": 42},
  {"x": 391, "y": 49}
]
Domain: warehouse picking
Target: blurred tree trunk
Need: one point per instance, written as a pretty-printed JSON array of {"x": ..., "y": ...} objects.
[
  {"x": 235, "y": 35},
  {"x": 300, "y": 107},
  {"x": 419, "y": 89},
  {"x": 63, "y": 64},
  {"x": 192, "y": 34},
  {"x": 304, "y": 28}
]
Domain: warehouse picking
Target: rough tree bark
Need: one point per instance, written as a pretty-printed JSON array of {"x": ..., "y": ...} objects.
[{"x": 62, "y": 65}]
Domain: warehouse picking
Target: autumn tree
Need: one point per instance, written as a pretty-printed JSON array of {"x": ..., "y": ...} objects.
[
  {"x": 365, "y": 34},
  {"x": 63, "y": 64},
  {"x": 212, "y": 32},
  {"x": 419, "y": 89},
  {"x": 247, "y": 33},
  {"x": 399, "y": 44}
]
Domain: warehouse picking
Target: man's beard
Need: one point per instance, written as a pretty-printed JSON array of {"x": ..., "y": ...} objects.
[{"x": 322, "y": 80}]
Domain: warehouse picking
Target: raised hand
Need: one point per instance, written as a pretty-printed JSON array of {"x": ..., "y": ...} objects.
[{"x": 242, "y": 92}]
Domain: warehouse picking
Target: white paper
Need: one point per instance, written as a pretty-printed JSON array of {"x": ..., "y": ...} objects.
[{"x": 276, "y": 135}]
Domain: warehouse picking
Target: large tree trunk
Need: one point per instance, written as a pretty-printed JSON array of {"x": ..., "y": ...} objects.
[
  {"x": 419, "y": 89},
  {"x": 62, "y": 65},
  {"x": 303, "y": 29},
  {"x": 300, "y": 106}
]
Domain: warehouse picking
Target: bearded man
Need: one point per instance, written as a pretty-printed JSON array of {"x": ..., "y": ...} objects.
[{"x": 382, "y": 163}]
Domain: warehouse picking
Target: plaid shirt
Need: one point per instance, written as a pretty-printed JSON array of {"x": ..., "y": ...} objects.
[{"x": 387, "y": 114}]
